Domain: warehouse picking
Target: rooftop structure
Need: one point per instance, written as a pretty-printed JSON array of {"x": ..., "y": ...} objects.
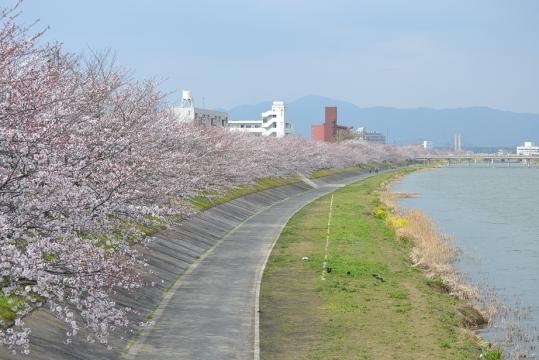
[
  {"x": 363, "y": 134},
  {"x": 330, "y": 131},
  {"x": 188, "y": 113},
  {"x": 529, "y": 148},
  {"x": 272, "y": 123},
  {"x": 428, "y": 145}
]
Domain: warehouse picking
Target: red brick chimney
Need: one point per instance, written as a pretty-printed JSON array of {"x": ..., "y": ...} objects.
[{"x": 330, "y": 123}]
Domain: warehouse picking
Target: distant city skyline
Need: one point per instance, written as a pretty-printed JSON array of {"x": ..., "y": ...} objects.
[{"x": 400, "y": 54}]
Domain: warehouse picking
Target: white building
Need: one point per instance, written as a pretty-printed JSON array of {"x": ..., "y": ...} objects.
[
  {"x": 188, "y": 113},
  {"x": 428, "y": 145},
  {"x": 528, "y": 149},
  {"x": 363, "y": 134},
  {"x": 272, "y": 123}
]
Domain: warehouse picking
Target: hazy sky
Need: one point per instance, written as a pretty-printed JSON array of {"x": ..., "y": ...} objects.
[{"x": 402, "y": 53}]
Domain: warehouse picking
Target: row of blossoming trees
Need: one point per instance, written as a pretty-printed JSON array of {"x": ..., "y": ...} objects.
[{"x": 84, "y": 148}]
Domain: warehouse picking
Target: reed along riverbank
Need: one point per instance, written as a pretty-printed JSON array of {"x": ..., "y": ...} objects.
[
  {"x": 373, "y": 304},
  {"x": 491, "y": 215}
]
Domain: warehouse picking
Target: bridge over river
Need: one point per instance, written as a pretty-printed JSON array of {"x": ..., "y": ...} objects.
[{"x": 528, "y": 160}]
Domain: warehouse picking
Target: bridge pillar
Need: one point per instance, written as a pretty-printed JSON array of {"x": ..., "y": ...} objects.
[{"x": 529, "y": 162}]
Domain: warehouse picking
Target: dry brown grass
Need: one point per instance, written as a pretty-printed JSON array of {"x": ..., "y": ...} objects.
[{"x": 432, "y": 250}]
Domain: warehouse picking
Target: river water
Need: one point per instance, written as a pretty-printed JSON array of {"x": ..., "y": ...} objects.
[{"x": 492, "y": 215}]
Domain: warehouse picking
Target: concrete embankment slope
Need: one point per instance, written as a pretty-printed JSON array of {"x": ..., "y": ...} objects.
[{"x": 208, "y": 313}]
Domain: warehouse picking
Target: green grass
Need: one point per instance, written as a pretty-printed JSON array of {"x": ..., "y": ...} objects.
[
  {"x": 7, "y": 304},
  {"x": 334, "y": 171},
  {"x": 124, "y": 230},
  {"x": 351, "y": 314},
  {"x": 492, "y": 355},
  {"x": 206, "y": 200}
]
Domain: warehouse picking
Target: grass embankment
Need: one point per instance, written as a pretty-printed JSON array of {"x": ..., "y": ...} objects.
[
  {"x": 352, "y": 314},
  {"x": 334, "y": 171},
  {"x": 200, "y": 203},
  {"x": 205, "y": 201}
]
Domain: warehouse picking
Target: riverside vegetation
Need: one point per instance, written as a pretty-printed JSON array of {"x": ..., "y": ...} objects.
[
  {"x": 374, "y": 303},
  {"x": 507, "y": 323}
]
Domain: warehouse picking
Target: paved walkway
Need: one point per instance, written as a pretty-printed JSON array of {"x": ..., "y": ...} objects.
[{"x": 210, "y": 313}]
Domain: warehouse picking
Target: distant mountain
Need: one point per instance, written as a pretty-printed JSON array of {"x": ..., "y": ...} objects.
[{"x": 479, "y": 126}]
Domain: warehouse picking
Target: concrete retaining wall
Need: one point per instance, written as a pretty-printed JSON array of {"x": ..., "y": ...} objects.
[{"x": 170, "y": 253}]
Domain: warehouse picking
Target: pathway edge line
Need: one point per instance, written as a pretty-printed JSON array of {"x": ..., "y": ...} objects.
[
  {"x": 260, "y": 273},
  {"x": 134, "y": 347}
]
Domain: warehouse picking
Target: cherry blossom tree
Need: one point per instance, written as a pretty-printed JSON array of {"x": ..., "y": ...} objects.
[{"x": 86, "y": 153}]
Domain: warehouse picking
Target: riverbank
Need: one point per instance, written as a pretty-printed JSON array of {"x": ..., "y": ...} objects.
[
  {"x": 176, "y": 250},
  {"x": 432, "y": 251},
  {"x": 490, "y": 215},
  {"x": 206, "y": 200},
  {"x": 372, "y": 304},
  {"x": 199, "y": 203}
]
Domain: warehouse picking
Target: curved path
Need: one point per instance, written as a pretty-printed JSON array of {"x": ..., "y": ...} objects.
[{"x": 211, "y": 312}]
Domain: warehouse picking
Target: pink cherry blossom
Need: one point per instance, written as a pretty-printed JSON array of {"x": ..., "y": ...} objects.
[{"x": 86, "y": 151}]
